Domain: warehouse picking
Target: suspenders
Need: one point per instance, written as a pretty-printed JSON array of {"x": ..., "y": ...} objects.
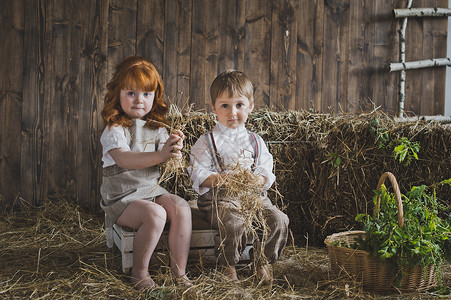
[
  {"x": 217, "y": 159},
  {"x": 214, "y": 152}
]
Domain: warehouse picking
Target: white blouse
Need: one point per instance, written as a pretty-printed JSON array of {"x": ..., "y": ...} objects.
[
  {"x": 235, "y": 149},
  {"x": 114, "y": 137}
]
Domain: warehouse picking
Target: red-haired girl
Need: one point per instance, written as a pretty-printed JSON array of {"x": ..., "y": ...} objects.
[{"x": 134, "y": 143}]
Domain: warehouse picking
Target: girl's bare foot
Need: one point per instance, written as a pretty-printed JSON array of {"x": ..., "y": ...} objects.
[
  {"x": 264, "y": 274},
  {"x": 230, "y": 272},
  {"x": 143, "y": 283}
]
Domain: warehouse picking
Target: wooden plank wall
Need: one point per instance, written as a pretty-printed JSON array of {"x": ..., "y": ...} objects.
[{"x": 328, "y": 56}]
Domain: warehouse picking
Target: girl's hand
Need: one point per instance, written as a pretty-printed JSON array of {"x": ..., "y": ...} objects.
[
  {"x": 180, "y": 141},
  {"x": 179, "y": 133},
  {"x": 172, "y": 146}
]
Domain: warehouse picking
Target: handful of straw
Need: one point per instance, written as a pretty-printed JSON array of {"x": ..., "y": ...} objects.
[
  {"x": 244, "y": 186},
  {"x": 174, "y": 167}
]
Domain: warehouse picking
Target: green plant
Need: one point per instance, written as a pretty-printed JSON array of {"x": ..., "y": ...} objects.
[
  {"x": 406, "y": 150},
  {"x": 424, "y": 239},
  {"x": 380, "y": 135}
]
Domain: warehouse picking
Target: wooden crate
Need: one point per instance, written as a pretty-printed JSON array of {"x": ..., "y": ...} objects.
[{"x": 202, "y": 245}]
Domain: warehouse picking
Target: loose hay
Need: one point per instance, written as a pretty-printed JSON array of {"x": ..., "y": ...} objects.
[{"x": 59, "y": 252}]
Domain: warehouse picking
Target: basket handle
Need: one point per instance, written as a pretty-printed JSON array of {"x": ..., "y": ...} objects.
[{"x": 395, "y": 185}]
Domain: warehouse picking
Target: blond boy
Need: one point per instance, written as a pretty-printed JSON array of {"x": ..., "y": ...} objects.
[{"x": 214, "y": 159}]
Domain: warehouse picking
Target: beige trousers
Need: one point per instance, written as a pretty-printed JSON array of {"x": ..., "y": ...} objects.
[{"x": 226, "y": 216}]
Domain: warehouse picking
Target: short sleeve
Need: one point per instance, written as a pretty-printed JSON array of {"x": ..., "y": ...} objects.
[
  {"x": 162, "y": 137},
  {"x": 113, "y": 137}
]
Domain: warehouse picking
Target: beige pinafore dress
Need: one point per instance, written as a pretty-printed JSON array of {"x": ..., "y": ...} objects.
[{"x": 122, "y": 186}]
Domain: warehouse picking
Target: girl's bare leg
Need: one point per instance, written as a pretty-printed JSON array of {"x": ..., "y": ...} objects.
[
  {"x": 148, "y": 219},
  {"x": 179, "y": 217}
]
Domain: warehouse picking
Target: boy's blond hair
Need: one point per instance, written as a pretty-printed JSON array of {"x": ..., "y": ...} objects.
[{"x": 235, "y": 83}]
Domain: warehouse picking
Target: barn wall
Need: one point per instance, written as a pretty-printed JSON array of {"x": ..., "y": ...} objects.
[{"x": 328, "y": 56}]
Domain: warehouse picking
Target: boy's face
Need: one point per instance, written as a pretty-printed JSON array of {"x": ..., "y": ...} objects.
[{"x": 232, "y": 112}]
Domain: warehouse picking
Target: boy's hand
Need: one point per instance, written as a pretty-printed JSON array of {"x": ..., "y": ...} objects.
[
  {"x": 260, "y": 180},
  {"x": 250, "y": 178},
  {"x": 227, "y": 179}
]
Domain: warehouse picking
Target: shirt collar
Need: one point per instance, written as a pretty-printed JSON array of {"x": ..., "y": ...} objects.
[{"x": 231, "y": 132}]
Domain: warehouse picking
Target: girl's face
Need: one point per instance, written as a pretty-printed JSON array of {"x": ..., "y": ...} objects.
[
  {"x": 136, "y": 103},
  {"x": 232, "y": 112}
]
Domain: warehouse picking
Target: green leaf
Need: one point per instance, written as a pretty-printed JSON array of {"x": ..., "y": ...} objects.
[
  {"x": 337, "y": 161},
  {"x": 360, "y": 217},
  {"x": 398, "y": 231},
  {"x": 399, "y": 148}
]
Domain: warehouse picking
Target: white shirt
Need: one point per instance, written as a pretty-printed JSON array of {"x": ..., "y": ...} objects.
[
  {"x": 235, "y": 148},
  {"x": 114, "y": 137}
]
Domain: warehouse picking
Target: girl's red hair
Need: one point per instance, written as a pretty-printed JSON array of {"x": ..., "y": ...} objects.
[{"x": 134, "y": 71}]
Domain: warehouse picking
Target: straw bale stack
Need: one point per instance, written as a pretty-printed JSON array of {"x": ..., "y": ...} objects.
[{"x": 321, "y": 194}]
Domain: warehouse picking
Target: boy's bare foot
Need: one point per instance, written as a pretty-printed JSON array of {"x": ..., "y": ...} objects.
[
  {"x": 230, "y": 272},
  {"x": 143, "y": 283},
  {"x": 264, "y": 274},
  {"x": 183, "y": 280}
]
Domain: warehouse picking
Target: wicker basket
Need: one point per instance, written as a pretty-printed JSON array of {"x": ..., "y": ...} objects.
[{"x": 374, "y": 274}]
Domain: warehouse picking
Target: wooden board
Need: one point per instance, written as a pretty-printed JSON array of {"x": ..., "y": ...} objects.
[
  {"x": 257, "y": 53},
  {"x": 335, "y": 63},
  {"x": 283, "y": 54},
  {"x": 11, "y": 99},
  {"x": 310, "y": 48},
  {"x": 149, "y": 20},
  {"x": 204, "y": 52},
  {"x": 90, "y": 68},
  {"x": 35, "y": 116}
]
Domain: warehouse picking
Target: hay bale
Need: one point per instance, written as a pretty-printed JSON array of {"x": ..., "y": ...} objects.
[{"x": 320, "y": 195}]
